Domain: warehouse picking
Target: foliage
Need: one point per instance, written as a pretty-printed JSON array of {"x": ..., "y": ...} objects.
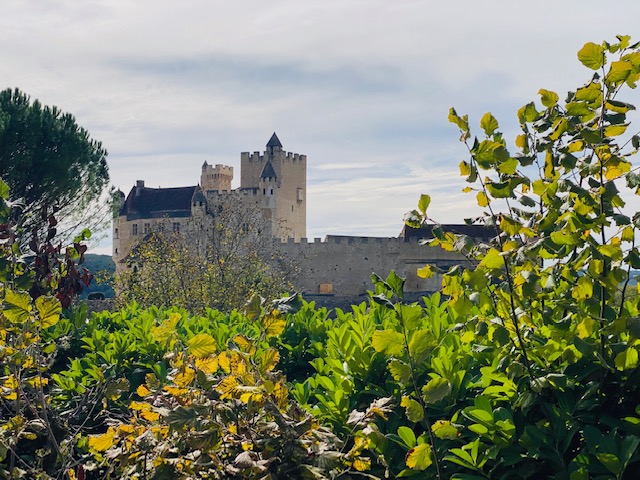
[
  {"x": 557, "y": 349},
  {"x": 524, "y": 366},
  {"x": 103, "y": 269},
  {"x": 33, "y": 289},
  {"x": 234, "y": 261},
  {"x": 50, "y": 162}
]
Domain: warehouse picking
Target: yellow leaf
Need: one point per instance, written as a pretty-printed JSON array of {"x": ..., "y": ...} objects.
[
  {"x": 575, "y": 146},
  {"x": 482, "y": 199},
  {"x": 419, "y": 457},
  {"x": 273, "y": 324},
  {"x": 223, "y": 361},
  {"x": 425, "y": 272},
  {"x": 586, "y": 328},
  {"x": 150, "y": 415},
  {"x": 175, "y": 391},
  {"x": 162, "y": 332},
  {"x": 468, "y": 337},
  {"x": 202, "y": 345},
  {"x": 139, "y": 406},
  {"x": 269, "y": 359},
  {"x": 362, "y": 464},
  {"x": 207, "y": 365},
  {"x": 185, "y": 378},
  {"x": 227, "y": 387},
  {"x": 243, "y": 343},
  {"x": 143, "y": 391},
  {"x": 413, "y": 409},
  {"x": 37, "y": 382},
  {"x": 125, "y": 429},
  {"x": 102, "y": 443}
]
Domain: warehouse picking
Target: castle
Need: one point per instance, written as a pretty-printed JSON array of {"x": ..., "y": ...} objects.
[{"x": 336, "y": 270}]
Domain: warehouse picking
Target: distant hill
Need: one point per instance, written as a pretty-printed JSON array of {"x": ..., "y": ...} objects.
[{"x": 102, "y": 267}]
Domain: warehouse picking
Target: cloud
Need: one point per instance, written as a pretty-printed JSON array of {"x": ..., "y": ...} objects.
[{"x": 361, "y": 87}]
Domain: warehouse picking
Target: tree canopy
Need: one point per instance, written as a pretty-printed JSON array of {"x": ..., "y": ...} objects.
[{"x": 47, "y": 159}]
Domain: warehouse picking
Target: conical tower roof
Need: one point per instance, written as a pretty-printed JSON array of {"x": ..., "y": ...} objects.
[
  {"x": 274, "y": 141},
  {"x": 268, "y": 171}
]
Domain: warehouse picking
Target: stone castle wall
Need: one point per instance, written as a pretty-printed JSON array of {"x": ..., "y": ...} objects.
[{"x": 342, "y": 266}]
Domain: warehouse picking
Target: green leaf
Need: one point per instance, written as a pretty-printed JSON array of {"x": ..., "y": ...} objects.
[
  {"x": 423, "y": 203},
  {"x": 407, "y": 436},
  {"x": 17, "y": 306},
  {"x": 445, "y": 430},
  {"x": 388, "y": 342},
  {"x": 461, "y": 122},
  {"x": 508, "y": 167},
  {"x": 528, "y": 113},
  {"x": 4, "y": 190},
  {"x": 253, "y": 307},
  {"x": 400, "y": 371},
  {"x": 436, "y": 389},
  {"x": 611, "y": 462},
  {"x": 421, "y": 343},
  {"x": 548, "y": 98},
  {"x": 618, "y": 72},
  {"x": 592, "y": 56},
  {"x": 489, "y": 124},
  {"x": 396, "y": 283},
  {"x": 202, "y": 345},
  {"x": 419, "y": 457},
  {"x": 182, "y": 417},
  {"x": 509, "y": 225},
  {"x": 492, "y": 259},
  {"x": 49, "y": 309},
  {"x": 564, "y": 238},
  {"x": 627, "y": 359},
  {"x": 615, "y": 130},
  {"x": 413, "y": 409},
  {"x": 583, "y": 289}
]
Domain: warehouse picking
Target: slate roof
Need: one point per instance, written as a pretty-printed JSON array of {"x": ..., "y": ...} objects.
[
  {"x": 425, "y": 232},
  {"x": 274, "y": 141},
  {"x": 143, "y": 202},
  {"x": 268, "y": 171}
]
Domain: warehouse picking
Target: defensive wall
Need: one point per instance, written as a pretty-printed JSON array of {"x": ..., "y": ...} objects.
[{"x": 341, "y": 266}]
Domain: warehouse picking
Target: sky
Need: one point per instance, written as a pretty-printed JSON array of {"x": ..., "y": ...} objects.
[{"x": 363, "y": 88}]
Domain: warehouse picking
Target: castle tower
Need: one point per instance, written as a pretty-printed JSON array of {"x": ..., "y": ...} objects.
[
  {"x": 216, "y": 178},
  {"x": 118, "y": 202},
  {"x": 283, "y": 177}
]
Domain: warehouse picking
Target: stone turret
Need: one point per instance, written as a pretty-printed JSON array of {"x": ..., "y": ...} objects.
[{"x": 216, "y": 178}]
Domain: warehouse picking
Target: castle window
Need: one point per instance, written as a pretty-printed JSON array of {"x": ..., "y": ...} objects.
[
  {"x": 271, "y": 192},
  {"x": 264, "y": 191},
  {"x": 300, "y": 194},
  {"x": 116, "y": 251},
  {"x": 176, "y": 227},
  {"x": 161, "y": 227},
  {"x": 147, "y": 228},
  {"x": 115, "y": 233},
  {"x": 134, "y": 229}
]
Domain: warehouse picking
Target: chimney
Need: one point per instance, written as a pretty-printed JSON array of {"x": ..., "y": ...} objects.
[{"x": 139, "y": 186}]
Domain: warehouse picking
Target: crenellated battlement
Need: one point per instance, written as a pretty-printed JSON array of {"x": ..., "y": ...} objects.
[
  {"x": 218, "y": 177},
  {"x": 257, "y": 157}
]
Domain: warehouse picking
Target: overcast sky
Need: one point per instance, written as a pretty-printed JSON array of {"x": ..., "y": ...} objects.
[{"x": 362, "y": 87}]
